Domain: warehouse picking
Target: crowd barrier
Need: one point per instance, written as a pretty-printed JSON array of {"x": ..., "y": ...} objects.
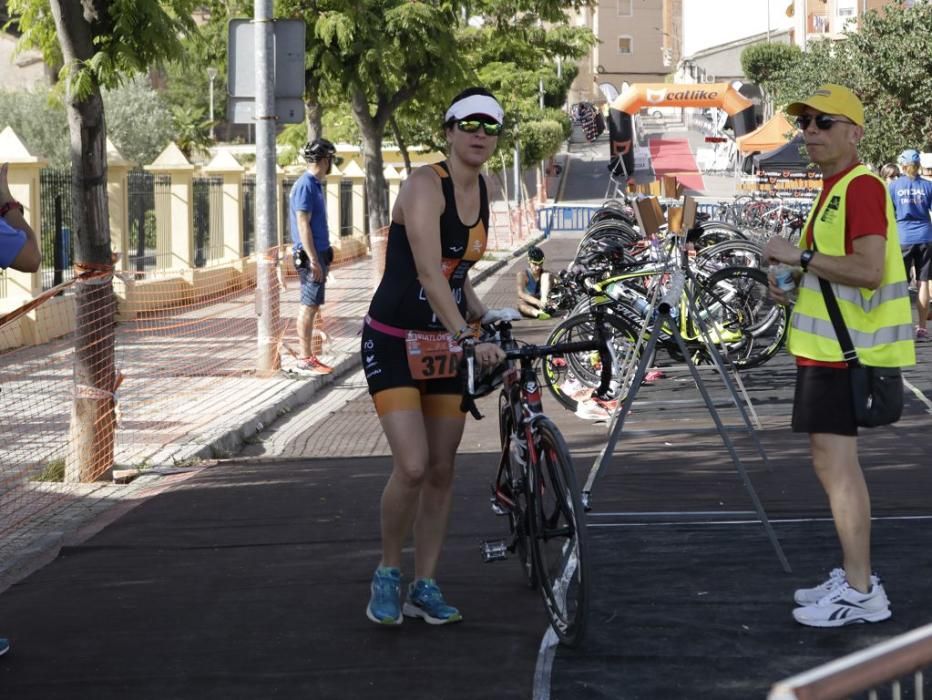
[{"x": 564, "y": 219}]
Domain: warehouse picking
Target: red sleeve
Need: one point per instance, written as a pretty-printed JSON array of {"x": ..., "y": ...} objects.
[{"x": 865, "y": 209}]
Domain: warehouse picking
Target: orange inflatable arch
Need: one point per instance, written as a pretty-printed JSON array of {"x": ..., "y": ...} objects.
[{"x": 721, "y": 95}]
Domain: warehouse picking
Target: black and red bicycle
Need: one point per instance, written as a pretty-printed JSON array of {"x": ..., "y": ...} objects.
[{"x": 536, "y": 486}]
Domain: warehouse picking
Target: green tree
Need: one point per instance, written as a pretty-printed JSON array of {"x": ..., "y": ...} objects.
[
  {"x": 191, "y": 129},
  {"x": 139, "y": 121},
  {"x": 38, "y": 118},
  {"x": 766, "y": 65},
  {"x": 888, "y": 63},
  {"x": 891, "y": 70},
  {"x": 399, "y": 62},
  {"x": 100, "y": 43}
]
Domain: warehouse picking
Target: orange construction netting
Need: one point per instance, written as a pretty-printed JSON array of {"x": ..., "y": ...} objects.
[{"x": 160, "y": 360}]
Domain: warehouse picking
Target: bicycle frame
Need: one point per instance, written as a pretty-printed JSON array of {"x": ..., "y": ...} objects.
[{"x": 535, "y": 485}]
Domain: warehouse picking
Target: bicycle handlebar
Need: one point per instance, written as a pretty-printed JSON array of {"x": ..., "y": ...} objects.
[{"x": 602, "y": 343}]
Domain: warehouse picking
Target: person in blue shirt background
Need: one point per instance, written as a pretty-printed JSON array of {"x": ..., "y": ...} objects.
[
  {"x": 20, "y": 250},
  {"x": 912, "y": 200},
  {"x": 310, "y": 238}
]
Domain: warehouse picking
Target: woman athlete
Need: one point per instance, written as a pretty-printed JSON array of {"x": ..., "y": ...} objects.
[{"x": 411, "y": 349}]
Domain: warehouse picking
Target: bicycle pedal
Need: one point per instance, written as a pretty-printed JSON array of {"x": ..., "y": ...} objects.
[
  {"x": 493, "y": 550},
  {"x": 497, "y": 507}
]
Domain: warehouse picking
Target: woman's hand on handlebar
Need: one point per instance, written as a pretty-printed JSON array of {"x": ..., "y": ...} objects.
[{"x": 488, "y": 355}]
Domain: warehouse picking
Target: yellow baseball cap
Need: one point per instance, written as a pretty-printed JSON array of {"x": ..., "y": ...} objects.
[{"x": 831, "y": 99}]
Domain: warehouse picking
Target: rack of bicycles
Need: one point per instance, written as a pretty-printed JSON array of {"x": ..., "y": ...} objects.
[
  {"x": 762, "y": 216},
  {"x": 624, "y": 262}
]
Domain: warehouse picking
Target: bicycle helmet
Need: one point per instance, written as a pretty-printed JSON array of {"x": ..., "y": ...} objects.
[
  {"x": 320, "y": 148},
  {"x": 535, "y": 254}
]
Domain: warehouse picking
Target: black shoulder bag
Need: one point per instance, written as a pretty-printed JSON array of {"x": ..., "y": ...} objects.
[{"x": 876, "y": 392}]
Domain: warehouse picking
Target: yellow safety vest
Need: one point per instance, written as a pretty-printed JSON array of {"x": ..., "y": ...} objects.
[{"x": 879, "y": 321}]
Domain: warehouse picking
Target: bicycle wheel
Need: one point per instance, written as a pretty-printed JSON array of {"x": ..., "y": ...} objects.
[
  {"x": 716, "y": 232},
  {"x": 511, "y": 492},
  {"x": 751, "y": 325},
  {"x": 728, "y": 254},
  {"x": 558, "y": 539},
  {"x": 573, "y": 376}
]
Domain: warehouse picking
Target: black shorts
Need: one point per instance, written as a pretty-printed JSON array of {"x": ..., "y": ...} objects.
[
  {"x": 822, "y": 402},
  {"x": 919, "y": 258},
  {"x": 385, "y": 363}
]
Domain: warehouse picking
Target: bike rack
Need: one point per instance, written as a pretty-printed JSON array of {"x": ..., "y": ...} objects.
[{"x": 670, "y": 301}]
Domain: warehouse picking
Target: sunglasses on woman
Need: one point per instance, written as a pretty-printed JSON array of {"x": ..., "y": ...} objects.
[
  {"x": 823, "y": 122},
  {"x": 471, "y": 126}
]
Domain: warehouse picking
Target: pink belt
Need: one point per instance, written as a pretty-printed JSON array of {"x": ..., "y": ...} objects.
[{"x": 385, "y": 328}]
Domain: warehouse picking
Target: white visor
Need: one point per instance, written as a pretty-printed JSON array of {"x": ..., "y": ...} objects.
[{"x": 475, "y": 104}]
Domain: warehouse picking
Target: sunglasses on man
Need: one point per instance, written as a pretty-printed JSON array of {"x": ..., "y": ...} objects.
[
  {"x": 471, "y": 126},
  {"x": 823, "y": 122}
]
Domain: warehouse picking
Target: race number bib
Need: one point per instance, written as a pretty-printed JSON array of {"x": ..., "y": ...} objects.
[{"x": 432, "y": 355}]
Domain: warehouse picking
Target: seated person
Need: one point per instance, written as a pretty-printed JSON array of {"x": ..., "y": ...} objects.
[{"x": 534, "y": 286}]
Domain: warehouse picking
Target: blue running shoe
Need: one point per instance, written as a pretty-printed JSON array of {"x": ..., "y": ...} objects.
[
  {"x": 425, "y": 600},
  {"x": 385, "y": 604},
  {"x": 4, "y": 646}
]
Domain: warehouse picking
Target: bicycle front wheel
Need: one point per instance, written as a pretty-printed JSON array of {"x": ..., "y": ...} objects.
[{"x": 558, "y": 535}]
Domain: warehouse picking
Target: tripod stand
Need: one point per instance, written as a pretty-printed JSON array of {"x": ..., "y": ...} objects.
[{"x": 664, "y": 307}]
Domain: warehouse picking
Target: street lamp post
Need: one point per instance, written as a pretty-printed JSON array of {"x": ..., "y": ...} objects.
[
  {"x": 768, "y": 21},
  {"x": 212, "y": 74}
]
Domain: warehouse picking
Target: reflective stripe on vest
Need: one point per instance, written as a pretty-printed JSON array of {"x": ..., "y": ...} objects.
[
  {"x": 853, "y": 295},
  {"x": 879, "y": 321},
  {"x": 861, "y": 339}
]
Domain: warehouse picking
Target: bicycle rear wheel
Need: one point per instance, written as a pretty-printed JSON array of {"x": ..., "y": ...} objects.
[{"x": 558, "y": 530}]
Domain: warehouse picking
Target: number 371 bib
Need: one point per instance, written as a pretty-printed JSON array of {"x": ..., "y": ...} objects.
[{"x": 432, "y": 355}]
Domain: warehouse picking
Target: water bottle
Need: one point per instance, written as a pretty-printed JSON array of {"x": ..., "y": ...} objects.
[
  {"x": 642, "y": 305},
  {"x": 783, "y": 274},
  {"x": 619, "y": 292}
]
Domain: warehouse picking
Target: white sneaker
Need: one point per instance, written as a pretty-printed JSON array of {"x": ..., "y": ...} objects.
[
  {"x": 571, "y": 386},
  {"x": 588, "y": 409},
  {"x": 809, "y": 596},
  {"x": 845, "y": 606}
]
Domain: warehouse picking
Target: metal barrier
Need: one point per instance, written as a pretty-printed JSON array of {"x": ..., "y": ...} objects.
[
  {"x": 559, "y": 218},
  {"x": 710, "y": 208},
  {"x": 898, "y": 662}
]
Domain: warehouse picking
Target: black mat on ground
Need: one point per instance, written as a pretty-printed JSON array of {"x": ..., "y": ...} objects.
[
  {"x": 252, "y": 581},
  {"x": 704, "y": 611}
]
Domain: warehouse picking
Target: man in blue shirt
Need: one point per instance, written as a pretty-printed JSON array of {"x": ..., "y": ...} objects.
[
  {"x": 912, "y": 200},
  {"x": 19, "y": 249},
  {"x": 310, "y": 238}
]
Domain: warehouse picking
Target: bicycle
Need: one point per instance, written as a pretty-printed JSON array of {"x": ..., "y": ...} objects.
[
  {"x": 733, "y": 302},
  {"x": 535, "y": 486}
]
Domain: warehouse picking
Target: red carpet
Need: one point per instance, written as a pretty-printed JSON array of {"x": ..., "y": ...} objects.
[{"x": 673, "y": 157}]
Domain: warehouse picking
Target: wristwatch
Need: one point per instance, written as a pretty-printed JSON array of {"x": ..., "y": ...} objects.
[
  {"x": 12, "y": 204},
  {"x": 805, "y": 258}
]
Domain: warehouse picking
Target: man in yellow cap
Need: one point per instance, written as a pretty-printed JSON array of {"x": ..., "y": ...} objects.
[{"x": 850, "y": 240}]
